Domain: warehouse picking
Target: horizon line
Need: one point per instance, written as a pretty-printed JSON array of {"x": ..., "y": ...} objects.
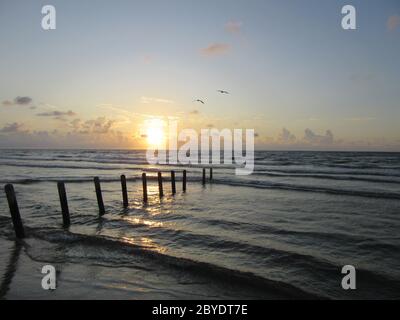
[{"x": 256, "y": 150}]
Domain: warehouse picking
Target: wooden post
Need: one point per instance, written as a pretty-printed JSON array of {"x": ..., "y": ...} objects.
[
  {"x": 14, "y": 210},
  {"x": 144, "y": 181},
  {"x": 160, "y": 185},
  {"x": 204, "y": 176},
  {"x": 124, "y": 191},
  {"x": 173, "y": 182},
  {"x": 64, "y": 203},
  {"x": 211, "y": 174},
  {"x": 184, "y": 181},
  {"x": 99, "y": 196}
]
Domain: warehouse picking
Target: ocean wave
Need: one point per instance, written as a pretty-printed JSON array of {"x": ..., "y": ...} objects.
[
  {"x": 383, "y": 173},
  {"x": 335, "y": 176},
  {"x": 304, "y": 188},
  {"x": 223, "y": 181},
  {"x": 63, "y": 166},
  {"x": 329, "y": 237},
  {"x": 209, "y": 270},
  {"x": 103, "y": 179}
]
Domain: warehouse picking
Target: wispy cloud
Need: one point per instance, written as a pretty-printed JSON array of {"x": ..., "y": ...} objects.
[
  {"x": 215, "y": 49},
  {"x": 57, "y": 115},
  {"x": 154, "y": 100},
  {"x": 69, "y": 113},
  {"x": 360, "y": 119},
  {"x": 233, "y": 27},
  {"x": 7, "y": 103},
  {"x": 393, "y": 22}
]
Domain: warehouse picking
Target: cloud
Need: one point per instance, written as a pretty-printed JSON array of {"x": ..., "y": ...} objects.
[
  {"x": 100, "y": 132},
  {"x": 286, "y": 136},
  {"x": 360, "y": 119},
  {"x": 315, "y": 139},
  {"x": 70, "y": 139},
  {"x": 327, "y": 141},
  {"x": 363, "y": 77},
  {"x": 233, "y": 27},
  {"x": 393, "y": 22},
  {"x": 100, "y": 125},
  {"x": 56, "y": 114},
  {"x": 11, "y": 128},
  {"x": 215, "y": 49},
  {"x": 147, "y": 100},
  {"x": 147, "y": 59},
  {"x": 7, "y": 103},
  {"x": 21, "y": 101}
]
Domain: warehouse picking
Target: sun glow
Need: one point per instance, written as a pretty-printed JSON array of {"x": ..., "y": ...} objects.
[{"x": 155, "y": 132}]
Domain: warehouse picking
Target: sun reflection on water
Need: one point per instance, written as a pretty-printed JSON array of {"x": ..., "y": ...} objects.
[
  {"x": 144, "y": 242},
  {"x": 146, "y": 222}
]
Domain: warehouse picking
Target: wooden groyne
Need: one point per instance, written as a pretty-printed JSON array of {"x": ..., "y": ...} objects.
[
  {"x": 64, "y": 203},
  {"x": 124, "y": 191},
  {"x": 16, "y": 217},
  {"x": 14, "y": 211}
]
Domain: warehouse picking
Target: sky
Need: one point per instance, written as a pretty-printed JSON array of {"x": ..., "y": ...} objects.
[{"x": 293, "y": 74}]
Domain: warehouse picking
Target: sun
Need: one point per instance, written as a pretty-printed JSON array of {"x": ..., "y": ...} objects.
[
  {"x": 155, "y": 132},
  {"x": 155, "y": 136}
]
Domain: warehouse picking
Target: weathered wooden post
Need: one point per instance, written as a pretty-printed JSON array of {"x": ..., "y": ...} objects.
[
  {"x": 173, "y": 182},
  {"x": 14, "y": 210},
  {"x": 144, "y": 182},
  {"x": 211, "y": 174},
  {"x": 99, "y": 196},
  {"x": 204, "y": 176},
  {"x": 64, "y": 203},
  {"x": 184, "y": 181},
  {"x": 124, "y": 191},
  {"x": 160, "y": 185}
]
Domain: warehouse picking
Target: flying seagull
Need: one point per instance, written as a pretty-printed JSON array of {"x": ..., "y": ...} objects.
[
  {"x": 198, "y": 100},
  {"x": 223, "y": 91}
]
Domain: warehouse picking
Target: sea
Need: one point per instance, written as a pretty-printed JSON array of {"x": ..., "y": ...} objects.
[{"x": 284, "y": 232}]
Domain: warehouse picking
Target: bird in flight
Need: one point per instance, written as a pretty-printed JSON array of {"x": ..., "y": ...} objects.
[
  {"x": 199, "y": 100},
  {"x": 223, "y": 91}
]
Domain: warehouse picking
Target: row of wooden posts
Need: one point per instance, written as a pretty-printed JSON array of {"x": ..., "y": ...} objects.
[{"x": 16, "y": 217}]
